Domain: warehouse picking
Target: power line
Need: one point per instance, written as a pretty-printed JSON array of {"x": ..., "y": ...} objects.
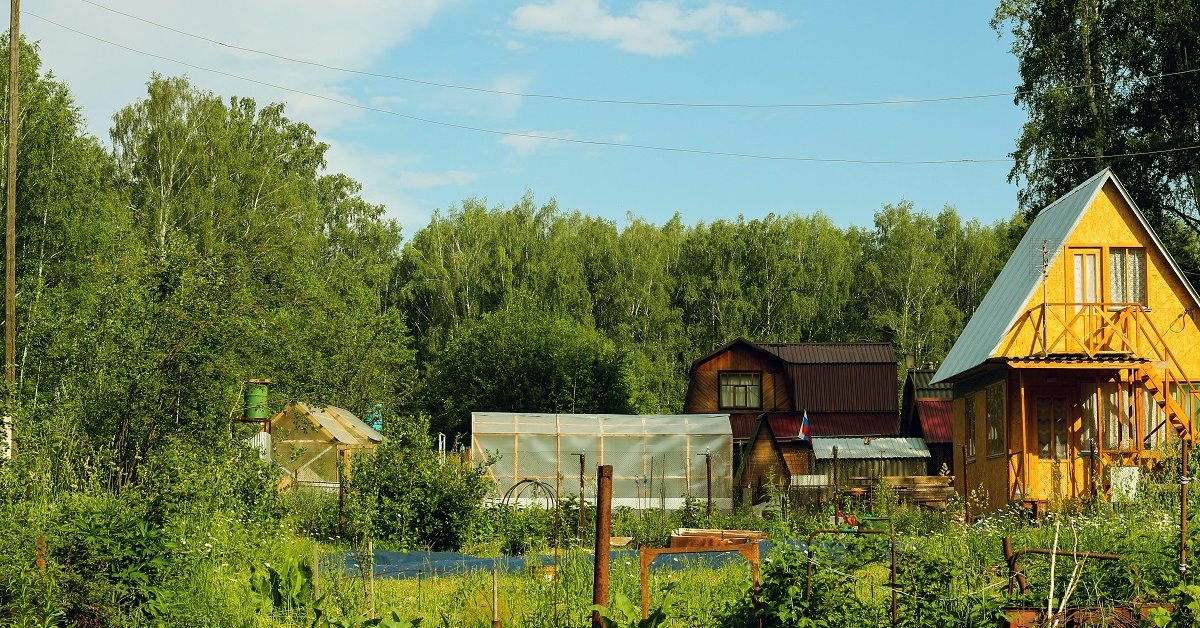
[
  {"x": 604, "y": 101},
  {"x": 536, "y": 136}
]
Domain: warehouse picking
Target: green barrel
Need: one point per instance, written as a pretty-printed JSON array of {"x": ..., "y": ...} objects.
[{"x": 256, "y": 399}]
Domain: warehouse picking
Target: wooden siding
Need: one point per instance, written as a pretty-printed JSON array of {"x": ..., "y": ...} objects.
[
  {"x": 762, "y": 464},
  {"x": 704, "y": 388}
]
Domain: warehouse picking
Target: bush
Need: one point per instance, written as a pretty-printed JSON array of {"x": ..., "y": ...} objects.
[{"x": 404, "y": 494}]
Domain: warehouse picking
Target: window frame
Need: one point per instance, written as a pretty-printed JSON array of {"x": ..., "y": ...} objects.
[
  {"x": 1126, "y": 275},
  {"x": 995, "y": 447},
  {"x": 970, "y": 421},
  {"x": 758, "y": 377}
]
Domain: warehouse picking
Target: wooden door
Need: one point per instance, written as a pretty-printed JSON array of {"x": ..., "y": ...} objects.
[{"x": 1053, "y": 424}]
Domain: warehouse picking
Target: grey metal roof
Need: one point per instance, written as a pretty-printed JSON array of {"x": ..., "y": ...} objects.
[
  {"x": 878, "y": 447},
  {"x": 1020, "y": 278},
  {"x": 924, "y": 388}
]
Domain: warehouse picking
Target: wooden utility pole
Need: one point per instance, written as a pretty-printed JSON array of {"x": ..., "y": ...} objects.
[
  {"x": 604, "y": 476},
  {"x": 10, "y": 230}
]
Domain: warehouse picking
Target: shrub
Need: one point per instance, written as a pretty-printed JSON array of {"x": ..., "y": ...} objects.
[{"x": 404, "y": 494}]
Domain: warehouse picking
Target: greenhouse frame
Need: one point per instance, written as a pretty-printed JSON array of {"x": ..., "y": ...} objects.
[{"x": 658, "y": 460}]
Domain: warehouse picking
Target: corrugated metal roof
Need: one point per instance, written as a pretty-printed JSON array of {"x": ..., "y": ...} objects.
[
  {"x": 598, "y": 424},
  {"x": 937, "y": 420},
  {"x": 786, "y": 426},
  {"x": 1015, "y": 285},
  {"x": 924, "y": 388},
  {"x": 831, "y": 352},
  {"x": 856, "y": 448}
]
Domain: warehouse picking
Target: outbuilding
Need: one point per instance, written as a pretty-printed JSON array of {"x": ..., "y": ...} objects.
[{"x": 658, "y": 460}]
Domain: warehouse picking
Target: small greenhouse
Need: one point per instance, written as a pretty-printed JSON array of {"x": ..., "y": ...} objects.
[
  {"x": 658, "y": 460},
  {"x": 308, "y": 441}
]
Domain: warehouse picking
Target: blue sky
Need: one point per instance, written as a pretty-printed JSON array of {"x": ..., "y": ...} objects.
[{"x": 664, "y": 50}]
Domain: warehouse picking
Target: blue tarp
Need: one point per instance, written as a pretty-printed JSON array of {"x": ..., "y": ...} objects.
[{"x": 402, "y": 565}]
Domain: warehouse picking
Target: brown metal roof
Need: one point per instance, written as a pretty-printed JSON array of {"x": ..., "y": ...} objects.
[
  {"x": 786, "y": 426},
  {"x": 831, "y": 352},
  {"x": 937, "y": 420}
]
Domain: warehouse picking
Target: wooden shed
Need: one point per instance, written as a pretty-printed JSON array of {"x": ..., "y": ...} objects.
[{"x": 770, "y": 459}]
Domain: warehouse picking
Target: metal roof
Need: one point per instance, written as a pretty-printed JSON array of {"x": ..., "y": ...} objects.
[
  {"x": 598, "y": 424},
  {"x": 786, "y": 426},
  {"x": 924, "y": 388},
  {"x": 1020, "y": 279},
  {"x": 937, "y": 420},
  {"x": 831, "y": 352},
  {"x": 859, "y": 448}
]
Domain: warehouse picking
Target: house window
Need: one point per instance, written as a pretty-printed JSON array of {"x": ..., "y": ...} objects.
[
  {"x": 969, "y": 416},
  {"x": 1127, "y": 271},
  {"x": 741, "y": 390},
  {"x": 995, "y": 419},
  {"x": 1052, "y": 428}
]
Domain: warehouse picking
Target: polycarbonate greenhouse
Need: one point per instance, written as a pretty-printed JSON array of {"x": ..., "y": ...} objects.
[{"x": 658, "y": 460}]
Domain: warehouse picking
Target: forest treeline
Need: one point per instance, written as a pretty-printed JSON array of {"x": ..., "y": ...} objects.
[{"x": 207, "y": 244}]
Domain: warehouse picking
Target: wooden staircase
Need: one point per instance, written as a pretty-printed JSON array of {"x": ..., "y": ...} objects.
[
  {"x": 1159, "y": 384},
  {"x": 1164, "y": 378}
]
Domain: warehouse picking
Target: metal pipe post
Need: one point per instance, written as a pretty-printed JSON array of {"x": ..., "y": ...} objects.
[
  {"x": 893, "y": 582},
  {"x": 1185, "y": 445},
  {"x": 708, "y": 479},
  {"x": 582, "y": 503},
  {"x": 604, "y": 475}
]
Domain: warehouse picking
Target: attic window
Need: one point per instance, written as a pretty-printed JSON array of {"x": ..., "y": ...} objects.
[
  {"x": 1128, "y": 275},
  {"x": 741, "y": 390}
]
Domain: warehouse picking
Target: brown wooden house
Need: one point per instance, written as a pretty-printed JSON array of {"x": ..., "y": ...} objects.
[
  {"x": 847, "y": 389},
  {"x": 1082, "y": 360}
]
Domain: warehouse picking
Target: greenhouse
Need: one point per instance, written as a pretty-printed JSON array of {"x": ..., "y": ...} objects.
[
  {"x": 309, "y": 442},
  {"x": 658, "y": 460}
]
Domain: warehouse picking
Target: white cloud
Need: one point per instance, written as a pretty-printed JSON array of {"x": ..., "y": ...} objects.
[
  {"x": 525, "y": 145},
  {"x": 351, "y": 33},
  {"x": 409, "y": 179},
  {"x": 653, "y": 27}
]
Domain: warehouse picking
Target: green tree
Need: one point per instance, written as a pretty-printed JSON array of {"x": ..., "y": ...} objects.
[
  {"x": 1111, "y": 84},
  {"x": 523, "y": 360}
]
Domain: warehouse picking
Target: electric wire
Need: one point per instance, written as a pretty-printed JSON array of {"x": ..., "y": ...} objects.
[
  {"x": 587, "y": 142},
  {"x": 606, "y": 101}
]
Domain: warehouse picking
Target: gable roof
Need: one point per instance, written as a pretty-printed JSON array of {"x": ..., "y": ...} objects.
[
  {"x": 921, "y": 383},
  {"x": 341, "y": 424},
  {"x": 937, "y": 420},
  {"x": 813, "y": 352},
  {"x": 1019, "y": 280}
]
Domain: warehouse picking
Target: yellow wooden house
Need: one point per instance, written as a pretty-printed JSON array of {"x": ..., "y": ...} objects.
[{"x": 1084, "y": 356}]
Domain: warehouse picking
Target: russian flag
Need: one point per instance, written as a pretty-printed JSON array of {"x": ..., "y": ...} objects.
[{"x": 804, "y": 433}]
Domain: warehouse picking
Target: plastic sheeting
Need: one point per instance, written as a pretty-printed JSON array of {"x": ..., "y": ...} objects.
[{"x": 658, "y": 460}]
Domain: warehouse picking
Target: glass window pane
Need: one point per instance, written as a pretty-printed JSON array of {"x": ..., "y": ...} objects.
[
  {"x": 1116, "y": 265},
  {"x": 1137, "y": 276},
  {"x": 1078, "y": 278},
  {"x": 1060, "y": 428},
  {"x": 1092, "y": 273},
  {"x": 1043, "y": 427}
]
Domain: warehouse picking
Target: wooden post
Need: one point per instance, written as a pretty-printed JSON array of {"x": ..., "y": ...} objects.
[
  {"x": 316, "y": 569},
  {"x": 10, "y": 228},
  {"x": 495, "y": 599},
  {"x": 603, "y": 536},
  {"x": 40, "y": 552},
  {"x": 966, "y": 489},
  {"x": 644, "y": 560},
  {"x": 371, "y": 575}
]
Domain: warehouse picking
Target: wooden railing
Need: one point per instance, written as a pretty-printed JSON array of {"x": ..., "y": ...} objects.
[{"x": 1116, "y": 330}]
